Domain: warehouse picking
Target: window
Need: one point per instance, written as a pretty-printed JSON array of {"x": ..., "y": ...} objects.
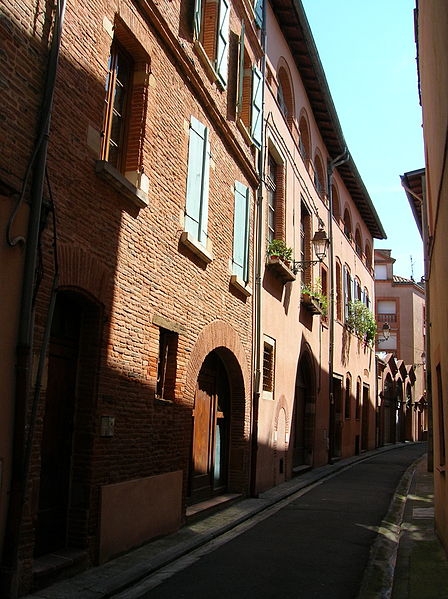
[
  {"x": 275, "y": 191},
  {"x": 268, "y": 365},
  {"x": 335, "y": 202},
  {"x": 304, "y": 140},
  {"x": 368, "y": 255},
  {"x": 324, "y": 284},
  {"x": 366, "y": 298},
  {"x": 258, "y": 10},
  {"x": 123, "y": 129},
  {"x": 358, "y": 242},
  {"x": 386, "y": 311},
  {"x": 358, "y": 400},
  {"x": 166, "y": 366},
  {"x": 211, "y": 29},
  {"x": 347, "y": 224},
  {"x": 338, "y": 291},
  {"x": 357, "y": 293},
  {"x": 348, "y": 398},
  {"x": 240, "y": 260},
  {"x": 196, "y": 210},
  {"x": 305, "y": 242},
  {"x": 381, "y": 272},
  {"x": 440, "y": 419},
  {"x": 347, "y": 290},
  {"x": 319, "y": 179},
  {"x": 389, "y": 345},
  {"x": 284, "y": 95},
  {"x": 250, "y": 90},
  {"x": 118, "y": 91}
]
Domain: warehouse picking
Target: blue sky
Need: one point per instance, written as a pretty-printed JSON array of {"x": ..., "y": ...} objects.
[{"x": 368, "y": 52}]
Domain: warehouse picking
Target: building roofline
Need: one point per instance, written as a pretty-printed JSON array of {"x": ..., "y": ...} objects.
[{"x": 293, "y": 22}]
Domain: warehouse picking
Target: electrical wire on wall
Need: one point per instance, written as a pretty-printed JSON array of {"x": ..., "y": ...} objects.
[{"x": 35, "y": 175}]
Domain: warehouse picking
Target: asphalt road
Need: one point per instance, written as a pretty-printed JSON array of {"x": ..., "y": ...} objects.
[{"x": 316, "y": 547}]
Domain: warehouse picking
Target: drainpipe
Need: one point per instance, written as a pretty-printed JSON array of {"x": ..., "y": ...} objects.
[
  {"x": 20, "y": 455},
  {"x": 430, "y": 464},
  {"x": 258, "y": 263},
  {"x": 341, "y": 159}
]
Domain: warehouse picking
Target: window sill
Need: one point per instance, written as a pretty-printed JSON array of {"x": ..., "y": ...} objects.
[
  {"x": 122, "y": 184},
  {"x": 196, "y": 247},
  {"x": 207, "y": 64},
  {"x": 162, "y": 401},
  {"x": 244, "y": 132},
  {"x": 311, "y": 304},
  {"x": 280, "y": 269},
  {"x": 239, "y": 284}
]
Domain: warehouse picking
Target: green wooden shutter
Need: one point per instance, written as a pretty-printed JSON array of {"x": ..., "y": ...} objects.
[
  {"x": 222, "y": 49},
  {"x": 258, "y": 9},
  {"x": 241, "y": 232},
  {"x": 257, "y": 106},
  {"x": 197, "y": 19},
  {"x": 196, "y": 210}
]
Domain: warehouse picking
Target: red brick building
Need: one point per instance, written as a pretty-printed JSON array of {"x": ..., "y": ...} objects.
[{"x": 126, "y": 272}]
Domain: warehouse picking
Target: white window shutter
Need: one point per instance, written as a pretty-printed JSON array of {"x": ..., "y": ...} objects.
[
  {"x": 196, "y": 209},
  {"x": 241, "y": 232},
  {"x": 197, "y": 19},
  {"x": 257, "y": 107},
  {"x": 222, "y": 49}
]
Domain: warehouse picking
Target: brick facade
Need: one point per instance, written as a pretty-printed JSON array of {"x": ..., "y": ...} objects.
[{"x": 122, "y": 268}]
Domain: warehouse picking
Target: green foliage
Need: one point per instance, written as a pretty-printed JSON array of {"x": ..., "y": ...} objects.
[
  {"x": 362, "y": 321},
  {"x": 315, "y": 291},
  {"x": 277, "y": 247}
]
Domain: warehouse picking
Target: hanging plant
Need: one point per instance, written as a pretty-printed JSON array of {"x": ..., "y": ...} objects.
[
  {"x": 315, "y": 292},
  {"x": 362, "y": 321}
]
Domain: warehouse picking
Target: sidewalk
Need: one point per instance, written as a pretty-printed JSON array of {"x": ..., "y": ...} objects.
[
  {"x": 407, "y": 560},
  {"x": 417, "y": 551}
]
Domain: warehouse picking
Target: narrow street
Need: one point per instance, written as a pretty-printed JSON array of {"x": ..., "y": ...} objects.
[{"x": 317, "y": 546}]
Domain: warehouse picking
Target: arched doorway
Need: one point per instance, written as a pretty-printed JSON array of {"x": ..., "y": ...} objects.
[
  {"x": 211, "y": 431},
  {"x": 67, "y": 433},
  {"x": 304, "y": 414}
]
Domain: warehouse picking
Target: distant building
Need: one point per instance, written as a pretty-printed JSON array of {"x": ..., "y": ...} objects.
[{"x": 401, "y": 323}]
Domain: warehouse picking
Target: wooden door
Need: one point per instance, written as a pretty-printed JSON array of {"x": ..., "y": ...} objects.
[
  {"x": 209, "y": 458},
  {"x": 57, "y": 435}
]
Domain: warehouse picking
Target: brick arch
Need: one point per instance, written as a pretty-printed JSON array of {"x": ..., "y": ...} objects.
[
  {"x": 220, "y": 336},
  {"x": 319, "y": 175},
  {"x": 282, "y": 404},
  {"x": 304, "y": 137},
  {"x": 336, "y": 202},
  {"x": 284, "y": 81},
  {"x": 78, "y": 268}
]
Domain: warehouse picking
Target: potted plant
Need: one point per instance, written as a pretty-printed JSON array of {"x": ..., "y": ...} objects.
[
  {"x": 279, "y": 257},
  {"x": 313, "y": 297},
  {"x": 277, "y": 247},
  {"x": 361, "y": 321}
]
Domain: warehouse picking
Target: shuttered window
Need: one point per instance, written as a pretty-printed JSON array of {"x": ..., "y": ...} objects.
[
  {"x": 256, "y": 115},
  {"x": 222, "y": 46},
  {"x": 240, "y": 260},
  {"x": 258, "y": 10},
  {"x": 249, "y": 93},
  {"x": 196, "y": 210},
  {"x": 211, "y": 28}
]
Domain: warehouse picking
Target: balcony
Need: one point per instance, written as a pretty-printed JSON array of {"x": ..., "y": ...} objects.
[{"x": 389, "y": 318}]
